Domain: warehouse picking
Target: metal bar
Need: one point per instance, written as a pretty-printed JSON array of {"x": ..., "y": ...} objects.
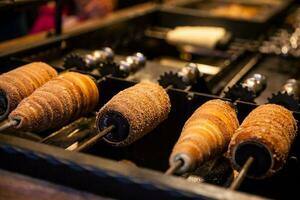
[
  {"x": 242, "y": 175},
  {"x": 252, "y": 62},
  {"x": 89, "y": 173},
  {"x": 8, "y": 125},
  {"x": 168, "y": 88},
  {"x": 94, "y": 139},
  {"x": 174, "y": 167}
]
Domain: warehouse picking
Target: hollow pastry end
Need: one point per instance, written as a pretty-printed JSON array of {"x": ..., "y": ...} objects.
[
  {"x": 261, "y": 154},
  {"x": 121, "y": 130}
]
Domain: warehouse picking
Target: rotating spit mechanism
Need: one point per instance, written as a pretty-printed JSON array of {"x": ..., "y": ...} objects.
[
  {"x": 247, "y": 90},
  {"x": 188, "y": 76},
  {"x": 288, "y": 96},
  {"x": 128, "y": 116},
  {"x": 56, "y": 103},
  {"x": 20, "y": 83},
  {"x": 125, "y": 67},
  {"x": 91, "y": 60}
]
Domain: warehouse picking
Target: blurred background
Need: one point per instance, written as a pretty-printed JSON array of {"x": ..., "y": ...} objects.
[{"x": 19, "y": 21}]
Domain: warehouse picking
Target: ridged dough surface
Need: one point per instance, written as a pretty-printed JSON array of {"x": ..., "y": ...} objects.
[
  {"x": 22, "y": 81},
  {"x": 59, "y": 101},
  {"x": 205, "y": 134},
  {"x": 272, "y": 126},
  {"x": 145, "y": 106}
]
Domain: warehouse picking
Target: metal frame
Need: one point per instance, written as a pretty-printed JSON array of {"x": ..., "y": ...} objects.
[
  {"x": 106, "y": 177},
  {"x": 98, "y": 175}
]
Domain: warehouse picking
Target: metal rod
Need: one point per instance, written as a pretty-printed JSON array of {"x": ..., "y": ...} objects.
[
  {"x": 8, "y": 125},
  {"x": 94, "y": 139},
  {"x": 168, "y": 88},
  {"x": 102, "y": 79},
  {"x": 237, "y": 182},
  {"x": 174, "y": 168},
  {"x": 188, "y": 88},
  {"x": 66, "y": 129},
  {"x": 251, "y": 63}
]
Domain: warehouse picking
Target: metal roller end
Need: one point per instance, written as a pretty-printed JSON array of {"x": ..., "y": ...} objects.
[
  {"x": 106, "y": 54},
  {"x": 132, "y": 63},
  {"x": 190, "y": 73},
  {"x": 194, "y": 68},
  {"x": 292, "y": 87},
  {"x": 256, "y": 83},
  {"x": 125, "y": 68},
  {"x": 260, "y": 78},
  {"x": 139, "y": 59}
]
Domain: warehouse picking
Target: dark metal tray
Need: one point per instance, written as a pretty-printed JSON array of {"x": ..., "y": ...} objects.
[{"x": 238, "y": 26}]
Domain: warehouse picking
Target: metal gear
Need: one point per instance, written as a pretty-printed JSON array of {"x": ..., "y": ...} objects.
[
  {"x": 286, "y": 100},
  {"x": 125, "y": 67},
  {"x": 172, "y": 78},
  {"x": 109, "y": 69},
  {"x": 240, "y": 92},
  {"x": 74, "y": 60}
]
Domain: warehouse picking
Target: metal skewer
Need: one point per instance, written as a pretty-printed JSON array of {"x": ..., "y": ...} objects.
[
  {"x": 87, "y": 144},
  {"x": 242, "y": 175},
  {"x": 168, "y": 88},
  {"x": 90, "y": 142},
  {"x": 191, "y": 178},
  {"x": 252, "y": 62},
  {"x": 174, "y": 167},
  {"x": 8, "y": 125}
]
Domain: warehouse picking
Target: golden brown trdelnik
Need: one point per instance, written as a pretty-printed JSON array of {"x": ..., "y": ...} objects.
[
  {"x": 57, "y": 102},
  {"x": 19, "y": 83},
  {"x": 270, "y": 127},
  {"x": 144, "y": 106},
  {"x": 205, "y": 134}
]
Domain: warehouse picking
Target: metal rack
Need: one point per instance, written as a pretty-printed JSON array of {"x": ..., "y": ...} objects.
[{"x": 98, "y": 166}]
